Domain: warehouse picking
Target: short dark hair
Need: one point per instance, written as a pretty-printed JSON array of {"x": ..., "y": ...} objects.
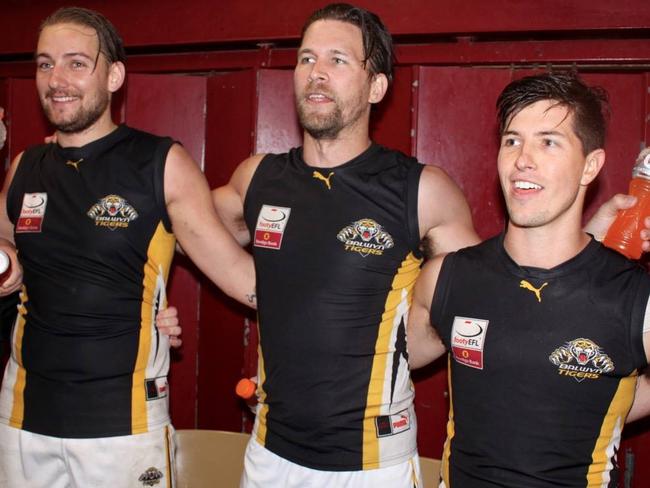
[
  {"x": 110, "y": 42},
  {"x": 377, "y": 41},
  {"x": 588, "y": 104}
]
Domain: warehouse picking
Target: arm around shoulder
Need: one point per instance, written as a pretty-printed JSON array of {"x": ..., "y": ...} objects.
[
  {"x": 424, "y": 343},
  {"x": 229, "y": 199},
  {"x": 444, "y": 216},
  {"x": 200, "y": 232}
]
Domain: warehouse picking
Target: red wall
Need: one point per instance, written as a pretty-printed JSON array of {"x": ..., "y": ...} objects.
[{"x": 454, "y": 58}]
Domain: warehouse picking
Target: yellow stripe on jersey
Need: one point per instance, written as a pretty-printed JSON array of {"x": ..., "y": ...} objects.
[
  {"x": 403, "y": 282},
  {"x": 610, "y": 433},
  {"x": 446, "y": 450},
  {"x": 264, "y": 410},
  {"x": 18, "y": 408},
  {"x": 159, "y": 256}
]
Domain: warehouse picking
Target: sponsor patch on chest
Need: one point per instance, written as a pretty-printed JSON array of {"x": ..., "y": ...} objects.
[
  {"x": 393, "y": 424},
  {"x": 271, "y": 223},
  {"x": 467, "y": 341},
  {"x": 32, "y": 213},
  {"x": 366, "y": 237},
  {"x": 581, "y": 359}
]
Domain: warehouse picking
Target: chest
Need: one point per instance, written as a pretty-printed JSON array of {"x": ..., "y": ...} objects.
[
  {"x": 347, "y": 221},
  {"x": 99, "y": 208}
]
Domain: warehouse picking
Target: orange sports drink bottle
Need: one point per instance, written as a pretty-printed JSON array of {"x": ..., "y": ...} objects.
[
  {"x": 624, "y": 234},
  {"x": 245, "y": 388}
]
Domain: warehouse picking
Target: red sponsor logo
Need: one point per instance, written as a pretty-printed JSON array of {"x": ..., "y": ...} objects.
[
  {"x": 468, "y": 357},
  {"x": 268, "y": 239},
  {"x": 29, "y": 224}
]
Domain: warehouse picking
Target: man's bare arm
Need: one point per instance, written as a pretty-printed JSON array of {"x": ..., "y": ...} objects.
[
  {"x": 444, "y": 216},
  {"x": 641, "y": 406},
  {"x": 228, "y": 200},
  {"x": 199, "y": 230},
  {"x": 424, "y": 344}
]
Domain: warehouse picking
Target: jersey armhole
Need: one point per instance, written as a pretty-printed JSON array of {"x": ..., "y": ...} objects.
[
  {"x": 252, "y": 186},
  {"x": 412, "y": 220},
  {"x": 160, "y": 159},
  {"x": 640, "y": 321},
  {"x": 30, "y": 157},
  {"x": 439, "y": 300}
]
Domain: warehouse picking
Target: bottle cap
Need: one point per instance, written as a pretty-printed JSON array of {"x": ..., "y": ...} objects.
[
  {"x": 642, "y": 165},
  {"x": 4, "y": 262},
  {"x": 245, "y": 388}
]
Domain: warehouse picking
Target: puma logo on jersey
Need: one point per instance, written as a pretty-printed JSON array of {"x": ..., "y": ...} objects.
[
  {"x": 319, "y": 176},
  {"x": 74, "y": 164},
  {"x": 537, "y": 291}
]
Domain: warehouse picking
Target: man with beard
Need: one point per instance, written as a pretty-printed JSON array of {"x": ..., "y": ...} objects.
[
  {"x": 336, "y": 228},
  {"x": 95, "y": 218}
]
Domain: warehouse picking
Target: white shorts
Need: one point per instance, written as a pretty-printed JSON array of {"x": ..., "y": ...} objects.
[
  {"x": 30, "y": 460},
  {"x": 263, "y": 469}
]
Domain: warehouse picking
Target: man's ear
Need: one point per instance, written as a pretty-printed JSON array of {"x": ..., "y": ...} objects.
[
  {"x": 378, "y": 88},
  {"x": 593, "y": 164},
  {"x": 116, "y": 75}
]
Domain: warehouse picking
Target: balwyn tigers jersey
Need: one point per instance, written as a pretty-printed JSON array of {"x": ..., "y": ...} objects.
[
  {"x": 95, "y": 243},
  {"x": 336, "y": 255},
  {"x": 543, "y": 365}
]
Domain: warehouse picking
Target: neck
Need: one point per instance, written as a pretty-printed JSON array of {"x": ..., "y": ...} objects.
[
  {"x": 544, "y": 247},
  {"x": 328, "y": 153},
  {"x": 99, "y": 129}
]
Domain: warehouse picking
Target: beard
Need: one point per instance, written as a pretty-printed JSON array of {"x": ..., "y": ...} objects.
[
  {"x": 83, "y": 118},
  {"x": 321, "y": 126}
]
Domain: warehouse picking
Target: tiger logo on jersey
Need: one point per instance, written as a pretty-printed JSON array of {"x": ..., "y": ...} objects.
[
  {"x": 112, "y": 211},
  {"x": 365, "y": 236},
  {"x": 581, "y": 359}
]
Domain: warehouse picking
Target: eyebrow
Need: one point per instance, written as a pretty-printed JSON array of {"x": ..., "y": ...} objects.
[
  {"x": 539, "y": 133},
  {"x": 66, "y": 55},
  {"x": 329, "y": 51}
]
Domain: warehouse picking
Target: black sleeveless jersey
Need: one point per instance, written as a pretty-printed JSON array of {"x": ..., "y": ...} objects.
[
  {"x": 336, "y": 256},
  {"x": 95, "y": 243},
  {"x": 543, "y": 366}
]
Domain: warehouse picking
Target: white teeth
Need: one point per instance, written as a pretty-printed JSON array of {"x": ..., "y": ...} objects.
[
  {"x": 63, "y": 99},
  {"x": 317, "y": 96},
  {"x": 527, "y": 185}
]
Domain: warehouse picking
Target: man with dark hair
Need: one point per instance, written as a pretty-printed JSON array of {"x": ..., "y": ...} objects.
[
  {"x": 336, "y": 228},
  {"x": 546, "y": 329},
  {"x": 95, "y": 218}
]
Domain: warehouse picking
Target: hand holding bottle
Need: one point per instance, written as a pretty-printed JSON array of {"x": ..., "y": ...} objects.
[{"x": 625, "y": 233}]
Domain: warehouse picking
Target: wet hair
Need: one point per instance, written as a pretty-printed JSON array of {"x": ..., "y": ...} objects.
[
  {"x": 110, "y": 42},
  {"x": 377, "y": 42},
  {"x": 588, "y": 105}
]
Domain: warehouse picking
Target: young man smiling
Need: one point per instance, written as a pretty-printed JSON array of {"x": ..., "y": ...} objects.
[
  {"x": 95, "y": 218},
  {"x": 546, "y": 329}
]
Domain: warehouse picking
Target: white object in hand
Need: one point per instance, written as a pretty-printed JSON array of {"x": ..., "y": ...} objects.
[
  {"x": 3, "y": 129},
  {"x": 4, "y": 262}
]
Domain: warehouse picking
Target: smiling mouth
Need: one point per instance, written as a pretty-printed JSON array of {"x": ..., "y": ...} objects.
[
  {"x": 526, "y": 185},
  {"x": 318, "y": 98},
  {"x": 60, "y": 98}
]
